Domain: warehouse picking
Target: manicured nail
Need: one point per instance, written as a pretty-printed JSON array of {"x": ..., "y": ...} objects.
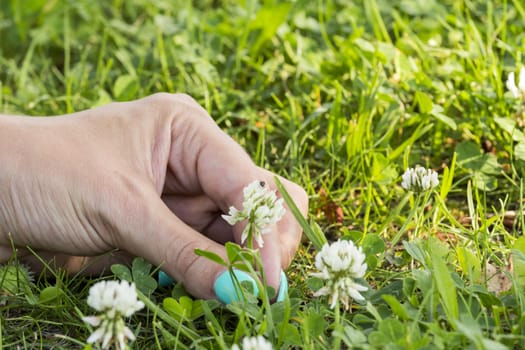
[
  {"x": 283, "y": 287},
  {"x": 226, "y": 286},
  {"x": 164, "y": 279}
]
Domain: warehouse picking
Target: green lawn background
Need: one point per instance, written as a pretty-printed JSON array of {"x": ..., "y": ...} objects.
[{"x": 339, "y": 96}]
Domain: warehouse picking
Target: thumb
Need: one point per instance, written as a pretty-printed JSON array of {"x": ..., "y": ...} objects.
[
  {"x": 271, "y": 258},
  {"x": 159, "y": 236}
]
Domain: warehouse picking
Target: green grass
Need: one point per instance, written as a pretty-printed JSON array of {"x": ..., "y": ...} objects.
[{"x": 339, "y": 96}]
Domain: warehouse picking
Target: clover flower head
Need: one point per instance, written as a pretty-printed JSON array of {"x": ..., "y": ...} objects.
[
  {"x": 516, "y": 90},
  {"x": 340, "y": 264},
  {"x": 260, "y": 207},
  {"x": 419, "y": 179},
  {"x": 115, "y": 300},
  {"x": 254, "y": 343},
  {"x": 114, "y": 295}
]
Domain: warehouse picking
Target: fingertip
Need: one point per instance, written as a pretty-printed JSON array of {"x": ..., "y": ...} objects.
[
  {"x": 164, "y": 279},
  {"x": 271, "y": 258},
  {"x": 290, "y": 231},
  {"x": 227, "y": 286},
  {"x": 283, "y": 288}
]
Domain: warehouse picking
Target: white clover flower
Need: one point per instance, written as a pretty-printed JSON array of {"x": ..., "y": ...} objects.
[
  {"x": 260, "y": 207},
  {"x": 254, "y": 343},
  {"x": 339, "y": 264},
  {"x": 116, "y": 300},
  {"x": 519, "y": 90},
  {"x": 419, "y": 179},
  {"x": 114, "y": 295}
]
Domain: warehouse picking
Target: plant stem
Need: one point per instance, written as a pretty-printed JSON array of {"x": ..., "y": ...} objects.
[
  {"x": 163, "y": 315},
  {"x": 337, "y": 327},
  {"x": 418, "y": 215},
  {"x": 249, "y": 239}
]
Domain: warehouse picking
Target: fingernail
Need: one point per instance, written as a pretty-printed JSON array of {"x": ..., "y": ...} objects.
[
  {"x": 283, "y": 287},
  {"x": 164, "y": 279},
  {"x": 226, "y": 286}
]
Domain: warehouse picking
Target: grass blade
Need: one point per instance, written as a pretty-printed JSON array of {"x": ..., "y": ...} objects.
[{"x": 316, "y": 236}]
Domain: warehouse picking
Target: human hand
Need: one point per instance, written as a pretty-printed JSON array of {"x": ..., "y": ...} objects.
[{"x": 150, "y": 177}]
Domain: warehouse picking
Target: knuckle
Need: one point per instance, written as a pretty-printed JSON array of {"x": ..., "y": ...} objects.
[
  {"x": 160, "y": 96},
  {"x": 181, "y": 256},
  {"x": 169, "y": 99},
  {"x": 185, "y": 98},
  {"x": 161, "y": 101},
  {"x": 178, "y": 102}
]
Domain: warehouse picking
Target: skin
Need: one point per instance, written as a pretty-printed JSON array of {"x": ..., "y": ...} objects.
[{"x": 145, "y": 178}]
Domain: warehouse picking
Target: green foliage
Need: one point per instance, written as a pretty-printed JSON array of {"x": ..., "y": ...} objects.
[
  {"x": 183, "y": 309},
  {"x": 338, "y": 96},
  {"x": 482, "y": 165},
  {"x": 50, "y": 295},
  {"x": 15, "y": 279},
  {"x": 140, "y": 274},
  {"x": 313, "y": 232}
]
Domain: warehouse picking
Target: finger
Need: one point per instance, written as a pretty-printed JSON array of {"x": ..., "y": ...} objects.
[
  {"x": 201, "y": 214},
  {"x": 289, "y": 229},
  {"x": 203, "y": 159},
  {"x": 271, "y": 258},
  {"x": 167, "y": 241},
  {"x": 281, "y": 243},
  {"x": 219, "y": 231},
  {"x": 221, "y": 169},
  {"x": 271, "y": 249}
]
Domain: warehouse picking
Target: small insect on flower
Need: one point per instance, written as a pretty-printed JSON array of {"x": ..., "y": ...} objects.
[
  {"x": 340, "y": 264},
  {"x": 116, "y": 300},
  {"x": 419, "y": 179},
  {"x": 261, "y": 208},
  {"x": 519, "y": 90},
  {"x": 254, "y": 343}
]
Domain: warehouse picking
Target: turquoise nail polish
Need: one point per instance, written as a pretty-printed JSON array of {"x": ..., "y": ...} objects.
[
  {"x": 227, "y": 289},
  {"x": 283, "y": 287},
  {"x": 165, "y": 279}
]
